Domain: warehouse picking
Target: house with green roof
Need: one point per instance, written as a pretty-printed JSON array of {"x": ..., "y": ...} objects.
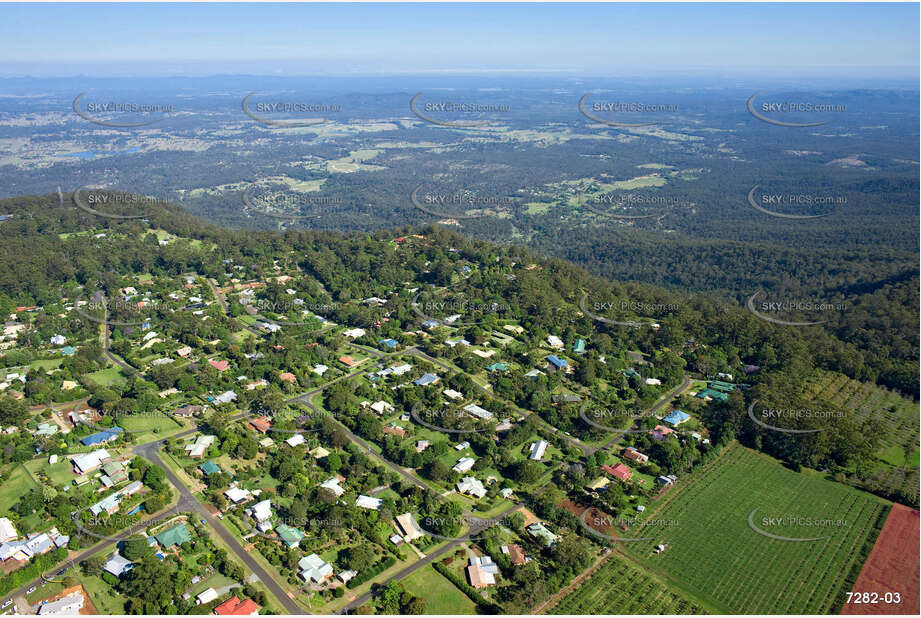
[
  {"x": 209, "y": 467},
  {"x": 289, "y": 536},
  {"x": 177, "y": 535},
  {"x": 724, "y": 387},
  {"x": 712, "y": 394},
  {"x": 539, "y": 531},
  {"x": 579, "y": 346},
  {"x": 497, "y": 367}
]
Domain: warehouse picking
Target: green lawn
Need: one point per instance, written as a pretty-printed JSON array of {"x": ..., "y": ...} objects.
[
  {"x": 61, "y": 473},
  {"x": 108, "y": 377},
  {"x": 46, "y": 364},
  {"x": 14, "y": 488},
  {"x": 441, "y": 596},
  {"x": 715, "y": 556},
  {"x": 104, "y": 597}
]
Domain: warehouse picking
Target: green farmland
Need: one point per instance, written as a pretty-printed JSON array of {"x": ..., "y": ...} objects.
[
  {"x": 619, "y": 587},
  {"x": 712, "y": 550}
]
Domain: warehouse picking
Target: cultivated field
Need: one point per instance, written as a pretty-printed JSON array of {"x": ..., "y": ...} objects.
[
  {"x": 619, "y": 587},
  {"x": 714, "y": 553},
  {"x": 898, "y": 459},
  {"x": 891, "y": 568}
]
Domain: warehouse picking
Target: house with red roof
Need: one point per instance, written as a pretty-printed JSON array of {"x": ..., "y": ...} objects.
[
  {"x": 235, "y": 606},
  {"x": 288, "y": 377},
  {"x": 219, "y": 365},
  {"x": 660, "y": 432},
  {"x": 262, "y": 424},
  {"x": 620, "y": 471}
]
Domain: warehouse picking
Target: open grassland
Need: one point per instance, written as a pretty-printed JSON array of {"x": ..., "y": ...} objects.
[
  {"x": 620, "y": 587},
  {"x": 712, "y": 551}
]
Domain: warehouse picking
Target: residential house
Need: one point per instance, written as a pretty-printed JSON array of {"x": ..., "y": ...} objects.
[
  {"x": 196, "y": 450},
  {"x": 472, "y": 487},
  {"x": 464, "y": 464},
  {"x": 515, "y": 554},
  {"x": 235, "y": 606},
  {"x": 677, "y": 417},
  {"x": 540, "y": 532},
  {"x": 367, "y": 502},
  {"x": 426, "y": 379},
  {"x": 176, "y": 535},
  {"x": 480, "y": 413},
  {"x": 537, "y": 450},
  {"x": 482, "y": 571},
  {"x": 634, "y": 455},
  {"x": 291, "y": 537},
  {"x": 117, "y": 565},
  {"x": 409, "y": 527},
  {"x": 102, "y": 437},
  {"x": 314, "y": 569},
  {"x": 619, "y": 471},
  {"x": 89, "y": 462},
  {"x": 333, "y": 485}
]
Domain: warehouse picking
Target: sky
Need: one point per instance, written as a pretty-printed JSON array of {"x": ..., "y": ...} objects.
[{"x": 301, "y": 39}]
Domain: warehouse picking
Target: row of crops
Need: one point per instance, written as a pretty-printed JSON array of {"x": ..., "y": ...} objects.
[
  {"x": 713, "y": 550},
  {"x": 619, "y": 587}
]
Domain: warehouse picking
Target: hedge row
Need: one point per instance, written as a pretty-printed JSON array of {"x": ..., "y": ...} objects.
[{"x": 368, "y": 574}]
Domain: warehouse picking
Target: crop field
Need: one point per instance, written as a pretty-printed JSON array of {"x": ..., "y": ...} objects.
[
  {"x": 619, "y": 587},
  {"x": 891, "y": 570},
  {"x": 716, "y": 526},
  {"x": 899, "y": 417}
]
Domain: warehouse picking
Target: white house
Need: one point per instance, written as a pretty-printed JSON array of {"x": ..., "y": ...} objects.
[
  {"x": 354, "y": 333},
  {"x": 333, "y": 485},
  {"x": 555, "y": 342},
  {"x": 206, "y": 597},
  {"x": 295, "y": 440},
  {"x": 471, "y": 486},
  {"x": 537, "y": 450},
  {"x": 367, "y": 502},
  {"x": 464, "y": 464}
]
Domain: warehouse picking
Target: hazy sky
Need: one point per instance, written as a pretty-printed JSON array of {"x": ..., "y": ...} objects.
[{"x": 120, "y": 39}]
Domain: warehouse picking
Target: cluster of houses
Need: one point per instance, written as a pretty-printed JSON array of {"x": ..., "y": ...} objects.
[{"x": 16, "y": 549}]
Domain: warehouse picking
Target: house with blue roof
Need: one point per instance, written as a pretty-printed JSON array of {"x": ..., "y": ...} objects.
[
  {"x": 555, "y": 362},
  {"x": 497, "y": 367},
  {"x": 101, "y": 437},
  {"x": 431, "y": 324},
  {"x": 677, "y": 417},
  {"x": 426, "y": 379},
  {"x": 390, "y": 343},
  {"x": 68, "y": 350}
]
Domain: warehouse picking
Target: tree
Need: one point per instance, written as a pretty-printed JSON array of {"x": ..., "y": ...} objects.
[
  {"x": 135, "y": 548},
  {"x": 358, "y": 557}
]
